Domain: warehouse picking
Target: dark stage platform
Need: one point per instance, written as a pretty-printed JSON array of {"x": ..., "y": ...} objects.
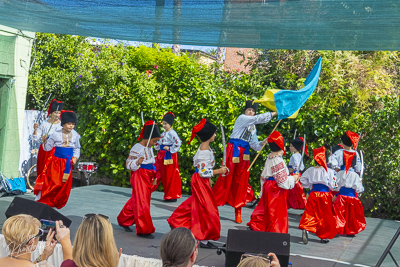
[{"x": 363, "y": 250}]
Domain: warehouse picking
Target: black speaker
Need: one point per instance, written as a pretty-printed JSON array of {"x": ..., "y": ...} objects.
[
  {"x": 244, "y": 241},
  {"x": 35, "y": 209}
]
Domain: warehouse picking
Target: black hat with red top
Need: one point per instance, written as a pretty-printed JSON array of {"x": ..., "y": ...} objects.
[
  {"x": 204, "y": 130},
  {"x": 149, "y": 130}
]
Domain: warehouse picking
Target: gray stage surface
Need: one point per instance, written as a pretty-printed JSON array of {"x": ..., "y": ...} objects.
[{"x": 363, "y": 250}]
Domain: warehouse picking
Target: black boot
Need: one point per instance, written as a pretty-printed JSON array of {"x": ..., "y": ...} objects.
[{"x": 126, "y": 228}]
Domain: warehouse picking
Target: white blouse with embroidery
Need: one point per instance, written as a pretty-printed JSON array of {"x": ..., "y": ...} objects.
[
  {"x": 315, "y": 175},
  {"x": 275, "y": 167},
  {"x": 60, "y": 139},
  {"x": 44, "y": 129},
  {"x": 204, "y": 161},
  {"x": 138, "y": 151},
  {"x": 169, "y": 138}
]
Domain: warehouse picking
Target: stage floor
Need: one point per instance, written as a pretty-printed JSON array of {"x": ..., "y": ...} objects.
[{"x": 363, "y": 250}]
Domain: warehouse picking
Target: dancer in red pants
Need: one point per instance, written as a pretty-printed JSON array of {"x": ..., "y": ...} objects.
[
  {"x": 271, "y": 214},
  {"x": 233, "y": 188},
  {"x": 141, "y": 164},
  {"x": 167, "y": 160},
  {"x": 41, "y": 133},
  {"x": 199, "y": 212},
  {"x": 57, "y": 172},
  {"x": 318, "y": 216}
]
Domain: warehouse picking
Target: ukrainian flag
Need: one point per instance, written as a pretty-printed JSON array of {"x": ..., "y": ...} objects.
[{"x": 288, "y": 102}]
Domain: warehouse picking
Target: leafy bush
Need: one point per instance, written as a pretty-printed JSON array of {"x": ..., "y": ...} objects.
[{"x": 109, "y": 85}]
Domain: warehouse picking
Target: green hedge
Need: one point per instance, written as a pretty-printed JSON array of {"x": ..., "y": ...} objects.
[{"x": 109, "y": 85}]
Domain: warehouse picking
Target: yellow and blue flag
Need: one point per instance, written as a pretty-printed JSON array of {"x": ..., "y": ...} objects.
[{"x": 288, "y": 102}]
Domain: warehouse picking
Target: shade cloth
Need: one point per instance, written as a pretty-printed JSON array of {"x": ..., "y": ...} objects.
[{"x": 302, "y": 24}]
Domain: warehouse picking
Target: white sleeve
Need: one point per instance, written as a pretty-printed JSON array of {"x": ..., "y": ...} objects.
[
  {"x": 334, "y": 159},
  {"x": 77, "y": 147},
  {"x": 203, "y": 164},
  {"x": 305, "y": 178},
  {"x": 254, "y": 143},
  {"x": 176, "y": 142},
  {"x": 157, "y": 145},
  {"x": 358, "y": 186},
  {"x": 49, "y": 144},
  {"x": 245, "y": 120},
  {"x": 358, "y": 166},
  {"x": 132, "y": 161},
  {"x": 38, "y": 134}
]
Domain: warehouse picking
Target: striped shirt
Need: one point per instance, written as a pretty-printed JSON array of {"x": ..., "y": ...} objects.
[{"x": 245, "y": 128}]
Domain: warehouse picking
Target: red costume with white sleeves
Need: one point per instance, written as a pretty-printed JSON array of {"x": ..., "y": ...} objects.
[
  {"x": 318, "y": 215},
  {"x": 167, "y": 163},
  {"x": 45, "y": 128},
  {"x": 199, "y": 212},
  {"x": 233, "y": 188},
  {"x": 271, "y": 214},
  {"x": 56, "y": 177},
  {"x": 137, "y": 209},
  {"x": 347, "y": 208}
]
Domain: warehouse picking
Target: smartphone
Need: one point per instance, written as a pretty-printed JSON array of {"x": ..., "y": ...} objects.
[{"x": 47, "y": 225}]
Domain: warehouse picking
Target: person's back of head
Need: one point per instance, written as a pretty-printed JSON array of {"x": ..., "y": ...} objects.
[
  {"x": 18, "y": 230},
  {"x": 94, "y": 244},
  {"x": 253, "y": 262},
  {"x": 178, "y": 248}
]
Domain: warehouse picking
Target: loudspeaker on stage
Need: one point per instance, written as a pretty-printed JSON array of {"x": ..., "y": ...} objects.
[
  {"x": 240, "y": 242},
  {"x": 35, "y": 209}
]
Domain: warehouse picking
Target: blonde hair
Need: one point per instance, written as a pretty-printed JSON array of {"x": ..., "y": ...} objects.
[
  {"x": 94, "y": 244},
  {"x": 253, "y": 262},
  {"x": 18, "y": 230}
]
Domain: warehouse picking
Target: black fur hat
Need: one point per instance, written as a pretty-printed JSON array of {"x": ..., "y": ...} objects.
[
  {"x": 169, "y": 118},
  {"x": 250, "y": 104},
  {"x": 68, "y": 116}
]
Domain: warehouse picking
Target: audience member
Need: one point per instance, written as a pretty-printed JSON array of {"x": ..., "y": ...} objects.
[
  {"x": 259, "y": 261},
  {"x": 94, "y": 244},
  {"x": 21, "y": 233},
  {"x": 179, "y": 248}
]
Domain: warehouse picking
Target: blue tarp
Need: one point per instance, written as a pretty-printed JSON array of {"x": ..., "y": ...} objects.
[{"x": 302, "y": 24}]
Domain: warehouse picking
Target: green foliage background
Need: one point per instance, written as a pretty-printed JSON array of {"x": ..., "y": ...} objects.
[{"x": 108, "y": 86}]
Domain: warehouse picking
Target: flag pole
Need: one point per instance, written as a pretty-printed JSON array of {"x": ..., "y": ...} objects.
[{"x": 254, "y": 160}]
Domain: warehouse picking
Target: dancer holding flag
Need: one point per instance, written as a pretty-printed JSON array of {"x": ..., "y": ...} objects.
[
  {"x": 318, "y": 216},
  {"x": 271, "y": 213},
  {"x": 141, "y": 164},
  {"x": 41, "y": 133},
  {"x": 57, "y": 172},
  {"x": 232, "y": 188},
  {"x": 199, "y": 212},
  {"x": 167, "y": 160},
  {"x": 347, "y": 208}
]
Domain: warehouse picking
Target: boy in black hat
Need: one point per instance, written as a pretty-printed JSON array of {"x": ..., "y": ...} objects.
[
  {"x": 232, "y": 188},
  {"x": 141, "y": 164},
  {"x": 57, "y": 173},
  {"x": 167, "y": 160}
]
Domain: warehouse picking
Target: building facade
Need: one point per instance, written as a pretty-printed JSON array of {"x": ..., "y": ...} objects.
[{"x": 15, "y": 56}]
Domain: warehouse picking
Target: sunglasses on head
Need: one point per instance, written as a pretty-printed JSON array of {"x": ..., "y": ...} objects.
[
  {"x": 94, "y": 214},
  {"x": 41, "y": 232},
  {"x": 264, "y": 257}
]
